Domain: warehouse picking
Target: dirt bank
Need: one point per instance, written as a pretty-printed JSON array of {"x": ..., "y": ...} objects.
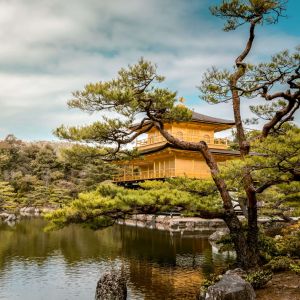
[{"x": 283, "y": 286}]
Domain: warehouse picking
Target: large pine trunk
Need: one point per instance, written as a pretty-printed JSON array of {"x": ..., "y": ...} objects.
[
  {"x": 247, "y": 252},
  {"x": 245, "y": 242}
]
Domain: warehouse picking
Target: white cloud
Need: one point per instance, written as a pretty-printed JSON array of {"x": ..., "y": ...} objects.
[{"x": 50, "y": 48}]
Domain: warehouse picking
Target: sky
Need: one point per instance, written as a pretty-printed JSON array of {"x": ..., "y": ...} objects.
[{"x": 51, "y": 48}]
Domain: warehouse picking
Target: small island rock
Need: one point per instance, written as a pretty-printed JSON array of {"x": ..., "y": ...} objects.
[{"x": 111, "y": 286}]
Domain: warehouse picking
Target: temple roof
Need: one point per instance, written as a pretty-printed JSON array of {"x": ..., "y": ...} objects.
[
  {"x": 200, "y": 118},
  {"x": 196, "y": 117},
  {"x": 168, "y": 145}
]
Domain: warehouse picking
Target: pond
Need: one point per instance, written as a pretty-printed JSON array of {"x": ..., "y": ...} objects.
[{"x": 66, "y": 264}]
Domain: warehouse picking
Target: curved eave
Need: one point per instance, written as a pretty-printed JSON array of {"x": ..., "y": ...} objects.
[
  {"x": 167, "y": 145},
  {"x": 197, "y": 118}
]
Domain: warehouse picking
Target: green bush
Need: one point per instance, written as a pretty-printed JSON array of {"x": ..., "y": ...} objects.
[
  {"x": 280, "y": 263},
  {"x": 295, "y": 268},
  {"x": 286, "y": 244},
  {"x": 289, "y": 245},
  {"x": 259, "y": 279},
  {"x": 267, "y": 246}
]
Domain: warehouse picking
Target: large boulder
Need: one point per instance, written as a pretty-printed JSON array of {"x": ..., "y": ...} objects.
[
  {"x": 111, "y": 286},
  {"x": 218, "y": 235},
  {"x": 230, "y": 287}
]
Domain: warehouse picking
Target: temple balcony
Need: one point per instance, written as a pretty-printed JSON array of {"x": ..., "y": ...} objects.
[
  {"x": 160, "y": 174},
  {"x": 148, "y": 143}
]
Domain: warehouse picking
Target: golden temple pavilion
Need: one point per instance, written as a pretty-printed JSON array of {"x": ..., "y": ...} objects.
[{"x": 160, "y": 160}]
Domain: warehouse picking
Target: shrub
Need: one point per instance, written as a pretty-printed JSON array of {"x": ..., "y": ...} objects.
[
  {"x": 267, "y": 246},
  {"x": 295, "y": 268},
  {"x": 280, "y": 263},
  {"x": 259, "y": 279},
  {"x": 210, "y": 280},
  {"x": 291, "y": 229},
  {"x": 289, "y": 245}
]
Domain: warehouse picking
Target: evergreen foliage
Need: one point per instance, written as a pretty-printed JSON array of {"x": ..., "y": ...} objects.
[
  {"x": 102, "y": 207},
  {"x": 275, "y": 168},
  {"x": 44, "y": 174},
  {"x": 7, "y": 196}
]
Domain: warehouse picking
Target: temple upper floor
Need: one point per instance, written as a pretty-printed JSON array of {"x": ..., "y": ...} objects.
[{"x": 199, "y": 128}]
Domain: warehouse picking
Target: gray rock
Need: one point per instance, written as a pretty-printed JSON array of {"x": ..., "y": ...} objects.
[
  {"x": 8, "y": 217},
  {"x": 27, "y": 211},
  {"x": 238, "y": 271},
  {"x": 10, "y": 223},
  {"x": 11, "y": 218},
  {"x": 4, "y": 215},
  {"x": 111, "y": 286},
  {"x": 217, "y": 235},
  {"x": 230, "y": 287},
  {"x": 45, "y": 210}
]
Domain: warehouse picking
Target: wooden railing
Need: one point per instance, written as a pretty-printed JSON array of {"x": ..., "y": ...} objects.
[
  {"x": 218, "y": 142},
  {"x": 159, "y": 174}
]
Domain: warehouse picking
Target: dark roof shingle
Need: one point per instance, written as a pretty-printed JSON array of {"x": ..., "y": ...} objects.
[
  {"x": 207, "y": 119},
  {"x": 200, "y": 118}
]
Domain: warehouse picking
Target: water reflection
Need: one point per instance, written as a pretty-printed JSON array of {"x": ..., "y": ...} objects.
[{"x": 67, "y": 264}]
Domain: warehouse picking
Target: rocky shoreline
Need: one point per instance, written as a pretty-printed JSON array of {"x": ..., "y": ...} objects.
[
  {"x": 161, "y": 222},
  {"x": 184, "y": 224},
  {"x": 175, "y": 223},
  {"x": 12, "y": 218},
  {"x": 172, "y": 223}
]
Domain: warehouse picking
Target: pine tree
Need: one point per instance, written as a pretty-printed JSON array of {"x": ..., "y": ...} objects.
[{"x": 7, "y": 196}]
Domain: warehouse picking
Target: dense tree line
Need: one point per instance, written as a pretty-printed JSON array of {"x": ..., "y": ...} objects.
[{"x": 47, "y": 174}]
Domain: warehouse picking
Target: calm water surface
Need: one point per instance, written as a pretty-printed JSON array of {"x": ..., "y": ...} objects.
[{"x": 67, "y": 264}]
